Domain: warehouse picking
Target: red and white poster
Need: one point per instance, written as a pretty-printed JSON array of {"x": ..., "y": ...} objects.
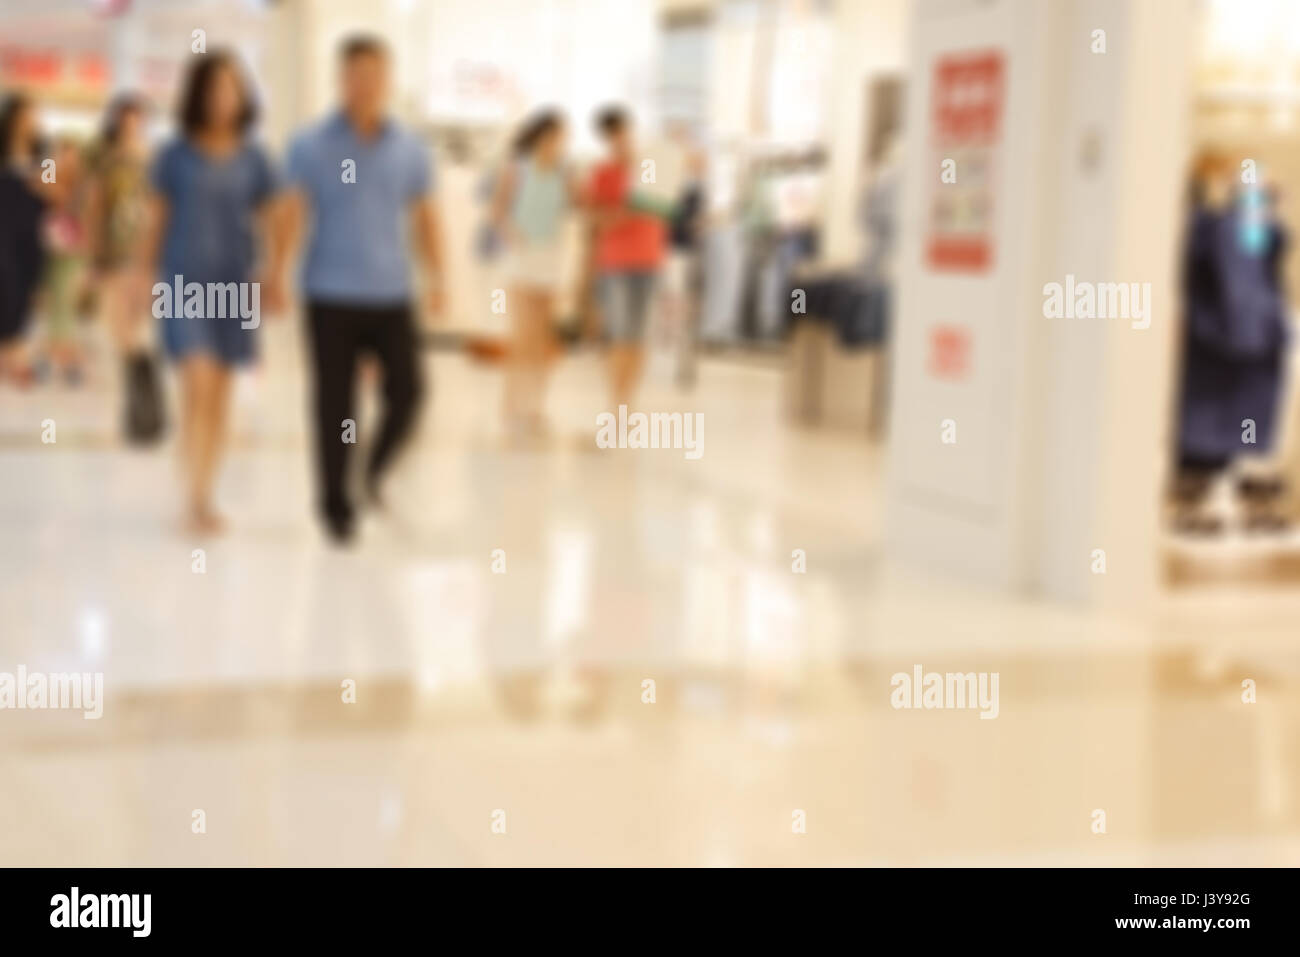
[
  {"x": 966, "y": 125},
  {"x": 949, "y": 352}
]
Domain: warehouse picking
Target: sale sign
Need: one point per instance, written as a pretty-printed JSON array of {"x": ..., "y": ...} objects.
[{"x": 966, "y": 103}]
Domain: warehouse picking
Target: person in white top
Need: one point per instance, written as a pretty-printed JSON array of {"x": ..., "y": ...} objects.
[{"x": 533, "y": 197}]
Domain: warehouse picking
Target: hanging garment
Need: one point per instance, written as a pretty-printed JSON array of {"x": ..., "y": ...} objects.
[{"x": 856, "y": 308}]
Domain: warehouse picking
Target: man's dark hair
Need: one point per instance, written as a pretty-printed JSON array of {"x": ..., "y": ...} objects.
[
  {"x": 193, "y": 115},
  {"x": 362, "y": 44},
  {"x": 611, "y": 120}
]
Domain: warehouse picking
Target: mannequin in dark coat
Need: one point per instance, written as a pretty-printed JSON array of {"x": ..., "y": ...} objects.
[{"x": 1234, "y": 338}]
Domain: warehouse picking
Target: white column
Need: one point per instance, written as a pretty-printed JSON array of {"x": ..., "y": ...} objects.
[{"x": 1061, "y": 424}]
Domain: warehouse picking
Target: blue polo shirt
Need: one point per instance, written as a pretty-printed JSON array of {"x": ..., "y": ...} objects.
[{"x": 358, "y": 247}]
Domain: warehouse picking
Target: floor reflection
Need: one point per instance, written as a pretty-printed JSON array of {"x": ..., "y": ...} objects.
[{"x": 621, "y": 652}]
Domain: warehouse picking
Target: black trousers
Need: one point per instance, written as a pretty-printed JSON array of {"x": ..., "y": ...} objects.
[{"x": 340, "y": 334}]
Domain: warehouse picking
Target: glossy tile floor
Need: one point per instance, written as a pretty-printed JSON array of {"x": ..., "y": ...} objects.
[{"x": 489, "y": 702}]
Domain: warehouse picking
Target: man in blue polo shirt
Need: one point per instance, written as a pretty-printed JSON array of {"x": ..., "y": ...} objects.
[{"x": 362, "y": 183}]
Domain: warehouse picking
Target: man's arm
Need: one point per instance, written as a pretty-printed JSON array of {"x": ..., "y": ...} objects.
[
  {"x": 284, "y": 217},
  {"x": 428, "y": 236}
]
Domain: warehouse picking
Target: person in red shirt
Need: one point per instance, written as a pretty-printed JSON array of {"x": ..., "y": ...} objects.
[{"x": 630, "y": 247}]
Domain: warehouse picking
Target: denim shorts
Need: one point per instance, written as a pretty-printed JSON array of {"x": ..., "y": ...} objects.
[
  {"x": 225, "y": 340},
  {"x": 625, "y": 299}
]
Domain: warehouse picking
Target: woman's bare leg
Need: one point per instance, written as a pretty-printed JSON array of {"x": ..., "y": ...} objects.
[
  {"x": 205, "y": 401},
  {"x": 625, "y": 362},
  {"x": 539, "y": 355},
  {"x": 530, "y": 354},
  {"x": 118, "y": 314},
  {"x": 516, "y": 360}
]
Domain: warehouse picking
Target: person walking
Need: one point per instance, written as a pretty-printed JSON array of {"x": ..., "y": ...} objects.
[
  {"x": 364, "y": 181},
  {"x": 26, "y": 192},
  {"x": 630, "y": 248},
  {"x": 534, "y": 194},
  {"x": 118, "y": 202},
  {"x": 213, "y": 191}
]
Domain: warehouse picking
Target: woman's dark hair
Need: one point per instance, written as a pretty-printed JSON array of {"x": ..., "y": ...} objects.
[
  {"x": 11, "y": 108},
  {"x": 535, "y": 129},
  {"x": 118, "y": 109},
  {"x": 193, "y": 114}
]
